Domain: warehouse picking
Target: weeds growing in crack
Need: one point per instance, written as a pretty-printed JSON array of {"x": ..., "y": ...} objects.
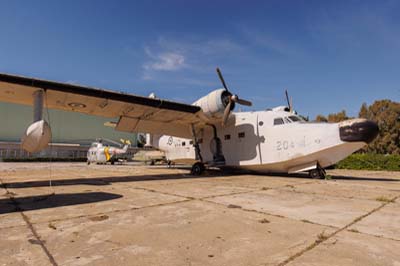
[
  {"x": 384, "y": 199},
  {"x": 321, "y": 237}
]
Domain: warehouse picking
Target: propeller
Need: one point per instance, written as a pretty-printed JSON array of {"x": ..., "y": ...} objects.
[
  {"x": 290, "y": 102},
  {"x": 232, "y": 99}
]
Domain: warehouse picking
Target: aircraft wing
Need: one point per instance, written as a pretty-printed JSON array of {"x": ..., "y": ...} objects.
[{"x": 135, "y": 113}]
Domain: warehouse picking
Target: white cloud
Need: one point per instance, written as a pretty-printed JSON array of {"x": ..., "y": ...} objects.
[{"x": 165, "y": 61}]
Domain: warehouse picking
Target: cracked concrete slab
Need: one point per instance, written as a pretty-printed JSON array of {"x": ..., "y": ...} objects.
[
  {"x": 195, "y": 233},
  {"x": 352, "y": 249},
  {"x": 9, "y": 217},
  {"x": 307, "y": 207},
  {"x": 338, "y": 188},
  {"x": 75, "y": 203},
  {"x": 141, "y": 215},
  {"x": 197, "y": 189},
  {"x": 385, "y": 223},
  {"x": 19, "y": 247}
]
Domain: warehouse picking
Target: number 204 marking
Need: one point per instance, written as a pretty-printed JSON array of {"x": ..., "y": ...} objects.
[{"x": 284, "y": 145}]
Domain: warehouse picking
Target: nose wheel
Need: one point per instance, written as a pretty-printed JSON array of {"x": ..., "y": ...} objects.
[
  {"x": 197, "y": 169},
  {"x": 318, "y": 173}
]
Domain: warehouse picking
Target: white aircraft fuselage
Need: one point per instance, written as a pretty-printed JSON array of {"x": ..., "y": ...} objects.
[{"x": 271, "y": 141}]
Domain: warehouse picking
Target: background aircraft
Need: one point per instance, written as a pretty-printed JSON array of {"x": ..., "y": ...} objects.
[{"x": 101, "y": 153}]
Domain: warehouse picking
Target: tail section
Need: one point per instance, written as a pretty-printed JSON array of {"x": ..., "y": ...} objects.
[{"x": 126, "y": 143}]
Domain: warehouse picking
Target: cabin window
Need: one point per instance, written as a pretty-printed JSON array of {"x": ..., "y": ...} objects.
[
  {"x": 199, "y": 141},
  {"x": 227, "y": 137},
  {"x": 278, "y": 121},
  {"x": 191, "y": 142},
  {"x": 260, "y": 123},
  {"x": 241, "y": 135},
  {"x": 183, "y": 143}
]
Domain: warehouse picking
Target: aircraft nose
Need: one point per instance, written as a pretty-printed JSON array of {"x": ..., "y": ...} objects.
[{"x": 358, "y": 130}]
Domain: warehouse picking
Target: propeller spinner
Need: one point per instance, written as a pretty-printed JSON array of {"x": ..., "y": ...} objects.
[{"x": 232, "y": 99}]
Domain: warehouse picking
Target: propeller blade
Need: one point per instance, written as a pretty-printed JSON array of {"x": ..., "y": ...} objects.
[
  {"x": 243, "y": 102},
  {"x": 222, "y": 79},
  {"x": 226, "y": 113}
]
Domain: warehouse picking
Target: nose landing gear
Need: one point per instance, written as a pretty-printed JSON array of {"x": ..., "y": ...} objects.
[{"x": 318, "y": 173}]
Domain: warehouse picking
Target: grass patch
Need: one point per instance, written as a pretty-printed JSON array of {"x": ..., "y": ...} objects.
[
  {"x": 370, "y": 161},
  {"x": 52, "y": 226},
  {"x": 233, "y": 206},
  {"x": 354, "y": 230},
  {"x": 384, "y": 199},
  {"x": 321, "y": 237},
  {"x": 264, "y": 221}
]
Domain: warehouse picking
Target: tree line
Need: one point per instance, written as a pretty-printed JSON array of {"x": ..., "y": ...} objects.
[{"x": 384, "y": 112}]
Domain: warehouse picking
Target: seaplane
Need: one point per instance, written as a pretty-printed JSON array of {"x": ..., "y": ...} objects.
[{"x": 207, "y": 133}]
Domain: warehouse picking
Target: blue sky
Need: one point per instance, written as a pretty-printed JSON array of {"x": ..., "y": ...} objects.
[{"x": 330, "y": 55}]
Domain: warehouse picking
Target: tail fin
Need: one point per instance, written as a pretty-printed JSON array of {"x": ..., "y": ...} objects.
[{"x": 126, "y": 143}]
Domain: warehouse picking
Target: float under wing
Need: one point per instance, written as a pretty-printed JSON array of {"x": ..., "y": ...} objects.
[{"x": 134, "y": 113}]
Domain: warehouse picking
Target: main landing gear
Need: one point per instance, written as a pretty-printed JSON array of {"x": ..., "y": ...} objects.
[
  {"x": 197, "y": 169},
  {"x": 318, "y": 173}
]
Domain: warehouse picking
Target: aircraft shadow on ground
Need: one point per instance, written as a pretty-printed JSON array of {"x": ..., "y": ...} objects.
[
  {"x": 30, "y": 203},
  {"x": 104, "y": 181},
  {"x": 333, "y": 177}
]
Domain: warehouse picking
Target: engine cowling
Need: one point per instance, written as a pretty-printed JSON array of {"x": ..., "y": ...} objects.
[
  {"x": 36, "y": 137},
  {"x": 214, "y": 103}
]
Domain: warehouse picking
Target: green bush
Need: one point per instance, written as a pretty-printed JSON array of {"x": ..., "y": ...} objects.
[{"x": 370, "y": 161}]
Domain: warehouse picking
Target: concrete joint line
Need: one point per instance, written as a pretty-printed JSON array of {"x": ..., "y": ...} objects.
[
  {"x": 318, "y": 242},
  {"x": 30, "y": 226},
  {"x": 163, "y": 193}
]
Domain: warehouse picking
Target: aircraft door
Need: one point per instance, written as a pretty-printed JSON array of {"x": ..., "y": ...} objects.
[{"x": 246, "y": 140}]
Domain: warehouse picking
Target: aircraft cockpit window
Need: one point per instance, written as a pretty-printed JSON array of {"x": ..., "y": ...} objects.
[
  {"x": 287, "y": 120},
  {"x": 294, "y": 118},
  {"x": 278, "y": 121}
]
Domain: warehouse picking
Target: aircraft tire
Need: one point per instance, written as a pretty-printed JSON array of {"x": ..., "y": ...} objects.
[
  {"x": 197, "y": 169},
  {"x": 315, "y": 174}
]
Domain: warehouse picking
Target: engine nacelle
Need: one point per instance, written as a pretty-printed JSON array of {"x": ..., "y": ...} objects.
[
  {"x": 36, "y": 137},
  {"x": 214, "y": 103}
]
